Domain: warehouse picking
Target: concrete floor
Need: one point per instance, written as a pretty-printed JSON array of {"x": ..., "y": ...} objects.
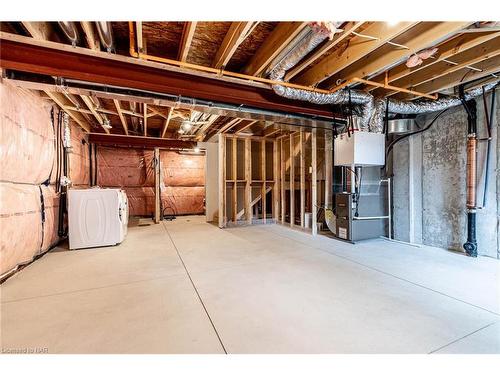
[{"x": 187, "y": 287}]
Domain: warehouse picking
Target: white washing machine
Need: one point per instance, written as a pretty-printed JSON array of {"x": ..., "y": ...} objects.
[{"x": 96, "y": 217}]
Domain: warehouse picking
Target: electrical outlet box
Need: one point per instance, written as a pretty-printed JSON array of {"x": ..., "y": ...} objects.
[{"x": 361, "y": 148}]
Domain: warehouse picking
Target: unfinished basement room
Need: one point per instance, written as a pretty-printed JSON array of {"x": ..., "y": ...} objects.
[{"x": 250, "y": 187}]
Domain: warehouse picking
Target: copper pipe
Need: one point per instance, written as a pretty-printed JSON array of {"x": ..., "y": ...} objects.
[
  {"x": 222, "y": 72},
  {"x": 471, "y": 172}
]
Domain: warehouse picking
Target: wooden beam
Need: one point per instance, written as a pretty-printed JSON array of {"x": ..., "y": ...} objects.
[
  {"x": 302, "y": 179},
  {"x": 167, "y": 122},
  {"x": 337, "y": 38},
  {"x": 292, "y": 181},
  {"x": 61, "y": 101},
  {"x": 157, "y": 216},
  {"x": 90, "y": 36},
  {"x": 248, "y": 180},
  {"x": 222, "y": 180},
  {"x": 280, "y": 37},
  {"x": 187, "y": 39},
  {"x": 253, "y": 203},
  {"x": 120, "y": 114},
  {"x": 237, "y": 33},
  {"x": 140, "y": 142},
  {"x": 145, "y": 119},
  {"x": 428, "y": 37},
  {"x": 446, "y": 50},
  {"x": 229, "y": 125},
  {"x": 357, "y": 49},
  {"x": 263, "y": 177},
  {"x": 245, "y": 127},
  {"x": 314, "y": 181},
  {"x": 201, "y": 131},
  {"x": 270, "y": 130}
]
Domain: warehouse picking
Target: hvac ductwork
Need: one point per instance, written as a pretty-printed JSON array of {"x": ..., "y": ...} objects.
[
  {"x": 69, "y": 29},
  {"x": 372, "y": 109}
]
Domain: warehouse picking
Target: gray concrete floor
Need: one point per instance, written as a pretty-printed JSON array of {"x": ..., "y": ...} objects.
[{"x": 188, "y": 287}]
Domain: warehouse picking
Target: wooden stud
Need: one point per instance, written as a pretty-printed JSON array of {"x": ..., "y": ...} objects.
[
  {"x": 276, "y": 178},
  {"x": 248, "y": 180},
  {"x": 39, "y": 30},
  {"x": 222, "y": 180},
  {"x": 302, "y": 179},
  {"x": 229, "y": 125},
  {"x": 314, "y": 182},
  {"x": 237, "y": 33},
  {"x": 120, "y": 114},
  {"x": 157, "y": 216},
  {"x": 292, "y": 181},
  {"x": 234, "y": 166},
  {"x": 280, "y": 37},
  {"x": 282, "y": 184},
  {"x": 263, "y": 177},
  {"x": 187, "y": 39},
  {"x": 145, "y": 119},
  {"x": 328, "y": 168},
  {"x": 167, "y": 122},
  {"x": 333, "y": 63}
]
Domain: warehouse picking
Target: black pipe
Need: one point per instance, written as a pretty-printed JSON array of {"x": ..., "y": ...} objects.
[
  {"x": 95, "y": 165},
  {"x": 487, "y": 167},
  {"x": 470, "y": 246},
  {"x": 91, "y": 172}
]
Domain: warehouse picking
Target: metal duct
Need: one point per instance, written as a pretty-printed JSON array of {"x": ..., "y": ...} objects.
[
  {"x": 372, "y": 109},
  {"x": 105, "y": 34},
  {"x": 69, "y": 29}
]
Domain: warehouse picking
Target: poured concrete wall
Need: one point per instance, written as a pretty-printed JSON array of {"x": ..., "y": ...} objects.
[{"x": 429, "y": 183}]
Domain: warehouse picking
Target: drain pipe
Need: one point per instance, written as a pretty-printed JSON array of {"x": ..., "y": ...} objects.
[{"x": 470, "y": 246}]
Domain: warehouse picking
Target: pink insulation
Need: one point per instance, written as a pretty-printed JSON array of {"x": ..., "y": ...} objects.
[
  {"x": 183, "y": 188},
  {"x": 27, "y": 136},
  {"x": 79, "y": 157},
  {"x": 27, "y": 160}
]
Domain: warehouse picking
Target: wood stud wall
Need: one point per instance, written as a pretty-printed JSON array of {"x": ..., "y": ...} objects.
[{"x": 290, "y": 177}]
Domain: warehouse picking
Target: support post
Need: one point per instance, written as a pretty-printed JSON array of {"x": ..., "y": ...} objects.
[
  {"x": 292, "y": 182},
  {"x": 282, "y": 182},
  {"x": 234, "y": 169},
  {"x": 276, "y": 184},
  {"x": 222, "y": 180},
  {"x": 314, "y": 182},
  {"x": 329, "y": 168},
  {"x": 263, "y": 176},
  {"x": 248, "y": 181},
  {"x": 302, "y": 179},
  {"x": 157, "y": 216}
]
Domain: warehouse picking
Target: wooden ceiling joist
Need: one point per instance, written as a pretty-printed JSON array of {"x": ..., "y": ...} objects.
[
  {"x": 464, "y": 61},
  {"x": 245, "y": 126},
  {"x": 237, "y": 33},
  {"x": 200, "y": 134},
  {"x": 145, "y": 119},
  {"x": 39, "y": 30},
  {"x": 90, "y": 35},
  {"x": 187, "y": 39},
  {"x": 120, "y": 114},
  {"x": 92, "y": 107},
  {"x": 348, "y": 29},
  {"x": 61, "y": 101},
  {"x": 357, "y": 49},
  {"x": 445, "y": 51},
  {"x": 229, "y": 125},
  {"x": 425, "y": 38},
  {"x": 166, "y": 122},
  {"x": 281, "y": 36}
]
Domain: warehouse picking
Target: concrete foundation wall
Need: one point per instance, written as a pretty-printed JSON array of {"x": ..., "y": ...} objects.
[{"x": 429, "y": 183}]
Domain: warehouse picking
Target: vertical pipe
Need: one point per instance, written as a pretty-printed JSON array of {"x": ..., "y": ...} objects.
[
  {"x": 292, "y": 182},
  {"x": 222, "y": 180},
  {"x": 314, "y": 183}
]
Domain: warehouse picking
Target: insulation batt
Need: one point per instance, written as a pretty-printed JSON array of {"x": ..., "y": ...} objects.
[{"x": 183, "y": 179}]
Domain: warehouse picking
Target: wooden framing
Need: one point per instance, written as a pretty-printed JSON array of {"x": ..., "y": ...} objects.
[
  {"x": 60, "y": 100},
  {"x": 302, "y": 179},
  {"x": 157, "y": 216},
  {"x": 314, "y": 182},
  {"x": 334, "y": 63},
  {"x": 120, "y": 114},
  {"x": 39, "y": 30},
  {"x": 281, "y": 36},
  {"x": 264, "y": 180},
  {"x": 187, "y": 39},
  {"x": 248, "y": 180},
  {"x": 348, "y": 29},
  {"x": 292, "y": 181},
  {"x": 237, "y": 33},
  {"x": 277, "y": 181},
  {"x": 282, "y": 180},
  {"x": 426, "y": 38},
  {"x": 92, "y": 107},
  {"x": 234, "y": 168},
  {"x": 145, "y": 119},
  {"x": 90, "y": 36},
  {"x": 328, "y": 168},
  {"x": 166, "y": 122},
  {"x": 245, "y": 127},
  {"x": 222, "y": 180}
]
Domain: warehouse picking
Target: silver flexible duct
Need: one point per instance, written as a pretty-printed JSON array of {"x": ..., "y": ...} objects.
[
  {"x": 105, "y": 34},
  {"x": 69, "y": 29},
  {"x": 372, "y": 109}
]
